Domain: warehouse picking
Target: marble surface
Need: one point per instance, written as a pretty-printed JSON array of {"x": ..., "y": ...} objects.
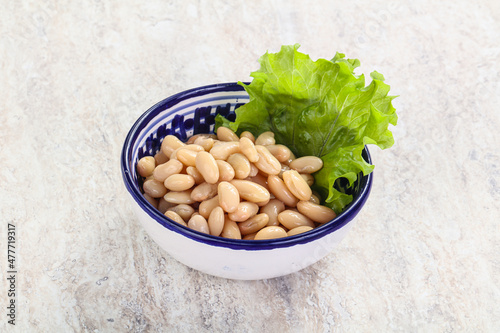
[{"x": 423, "y": 255}]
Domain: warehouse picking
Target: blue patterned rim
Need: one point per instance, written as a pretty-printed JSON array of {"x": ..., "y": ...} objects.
[{"x": 171, "y": 109}]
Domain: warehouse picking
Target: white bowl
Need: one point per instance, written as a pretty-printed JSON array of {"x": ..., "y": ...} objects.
[{"x": 191, "y": 112}]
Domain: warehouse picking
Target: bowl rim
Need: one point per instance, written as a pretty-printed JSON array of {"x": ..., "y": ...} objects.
[{"x": 250, "y": 245}]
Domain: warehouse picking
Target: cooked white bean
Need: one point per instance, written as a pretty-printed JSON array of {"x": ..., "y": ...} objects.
[
  {"x": 248, "y": 149},
  {"x": 229, "y": 198},
  {"x": 183, "y": 197},
  {"x": 307, "y": 164},
  {"x": 222, "y": 150},
  {"x": 175, "y": 217},
  {"x": 267, "y": 163},
  {"x": 250, "y": 191},
  {"x": 270, "y": 233},
  {"x": 298, "y": 230},
  {"x": 169, "y": 144},
  {"x": 226, "y": 134},
  {"x": 163, "y": 205},
  {"x": 184, "y": 211},
  {"x": 187, "y": 156},
  {"x": 193, "y": 172},
  {"x": 230, "y": 229},
  {"x": 207, "y": 206},
  {"x": 244, "y": 211},
  {"x": 247, "y": 134},
  {"x": 207, "y": 166},
  {"x": 272, "y": 209},
  {"x": 317, "y": 213},
  {"x": 292, "y": 219},
  {"x": 240, "y": 164},
  {"x": 315, "y": 198},
  {"x": 154, "y": 188},
  {"x": 203, "y": 192},
  {"x": 199, "y": 223},
  {"x": 253, "y": 224},
  {"x": 160, "y": 158},
  {"x": 265, "y": 139},
  {"x": 165, "y": 170},
  {"x": 154, "y": 202},
  {"x": 308, "y": 178},
  {"x": 216, "y": 221},
  {"x": 179, "y": 182},
  {"x": 281, "y": 191},
  {"x": 145, "y": 166},
  {"x": 206, "y": 142},
  {"x": 226, "y": 171},
  {"x": 254, "y": 171},
  {"x": 297, "y": 185},
  {"x": 281, "y": 152}
]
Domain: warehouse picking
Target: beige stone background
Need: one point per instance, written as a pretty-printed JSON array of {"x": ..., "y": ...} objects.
[{"x": 423, "y": 255}]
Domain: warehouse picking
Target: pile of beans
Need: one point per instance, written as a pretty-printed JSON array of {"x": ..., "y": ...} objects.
[{"x": 235, "y": 187}]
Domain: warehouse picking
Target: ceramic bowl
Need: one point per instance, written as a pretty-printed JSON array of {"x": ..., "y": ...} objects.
[{"x": 191, "y": 112}]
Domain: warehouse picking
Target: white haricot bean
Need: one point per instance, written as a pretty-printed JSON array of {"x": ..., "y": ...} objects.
[
  {"x": 163, "y": 205},
  {"x": 254, "y": 171},
  {"x": 315, "y": 198},
  {"x": 226, "y": 171},
  {"x": 253, "y": 224},
  {"x": 229, "y": 198},
  {"x": 307, "y": 164},
  {"x": 281, "y": 191},
  {"x": 207, "y": 166},
  {"x": 281, "y": 152},
  {"x": 193, "y": 172},
  {"x": 249, "y": 236},
  {"x": 145, "y": 166},
  {"x": 292, "y": 219},
  {"x": 183, "y": 197},
  {"x": 153, "y": 201},
  {"x": 226, "y": 134},
  {"x": 248, "y": 149},
  {"x": 240, "y": 164},
  {"x": 207, "y": 206},
  {"x": 216, "y": 221},
  {"x": 154, "y": 188},
  {"x": 308, "y": 178},
  {"x": 244, "y": 211},
  {"x": 179, "y": 182},
  {"x": 297, "y": 185},
  {"x": 230, "y": 229},
  {"x": 247, "y": 134},
  {"x": 175, "y": 217},
  {"x": 187, "y": 156},
  {"x": 250, "y": 191},
  {"x": 198, "y": 223},
  {"x": 203, "y": 192},
  {"x": 271, "y": 232},
  {"x": 165, "y": 170},
  {"x": 259, "y": 179},
  {"x": 206, "y": 142},
  {"x": 169, "y": 144},
  {"x": 298, "y": 230},
  {"x": 272, "y": 209},
  {"x": 265, "y": 139},
  {"x": 184, "y": 211},
  {"x": 222, "y": 150},
  {"x": 267, "y": 163},
  {"x": 317, "y": 213},
  {"x": 160, "y": 158}
]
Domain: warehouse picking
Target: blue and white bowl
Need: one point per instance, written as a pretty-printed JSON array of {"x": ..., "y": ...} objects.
[{"x": 191, "y": 112}]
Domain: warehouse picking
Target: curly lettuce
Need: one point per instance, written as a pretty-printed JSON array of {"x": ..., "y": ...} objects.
[{"x": 319, "y": 108}]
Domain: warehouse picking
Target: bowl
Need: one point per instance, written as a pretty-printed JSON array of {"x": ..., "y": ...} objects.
[{"x": 191, "y": 112}]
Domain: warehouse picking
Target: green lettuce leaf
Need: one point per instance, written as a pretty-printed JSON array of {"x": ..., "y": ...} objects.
[{"x": 319, "y": 108}]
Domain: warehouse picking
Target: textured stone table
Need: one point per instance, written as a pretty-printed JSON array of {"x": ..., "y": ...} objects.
[{"x": 423, "y": 255}]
